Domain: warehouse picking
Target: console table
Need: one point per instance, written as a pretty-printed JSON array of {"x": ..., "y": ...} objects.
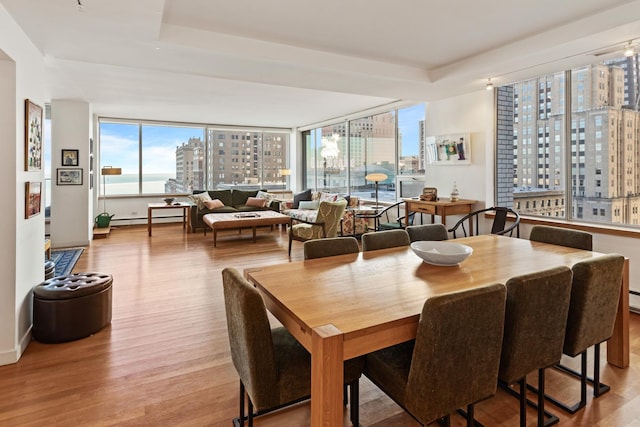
[
  {"x": 151, "y": 206},
  {"x": 441, "y": 207}
]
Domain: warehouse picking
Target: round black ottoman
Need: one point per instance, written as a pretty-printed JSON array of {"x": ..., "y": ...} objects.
[{"x": 69, "y": 307}]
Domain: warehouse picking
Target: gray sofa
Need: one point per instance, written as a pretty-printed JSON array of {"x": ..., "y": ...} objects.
[{"x": 234, "y": 201}]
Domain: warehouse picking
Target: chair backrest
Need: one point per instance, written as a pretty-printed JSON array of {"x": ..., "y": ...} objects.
[
  {"x": 250, "y": 338},
  {"x": 535, "y": 322},
  {"x": 331, "y": 214},
  {"x": 387, "y": 221},
  {"x": 321, "y": 248},
  {"x": 499, "y": 226},
  {"x": 562, "y": 236},
  {"x": 594, "y": 302},
  {"x": 384, "y": 239},
  {"x": 457, "y": 352},
  {"x": 435, "y": 232}
]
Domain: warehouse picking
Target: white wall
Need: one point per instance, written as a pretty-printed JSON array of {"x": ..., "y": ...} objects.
[
  {"x": 474, "y": 113},
  {"x": 71, "y": 217},
  {"x": 22, "y": 77}
]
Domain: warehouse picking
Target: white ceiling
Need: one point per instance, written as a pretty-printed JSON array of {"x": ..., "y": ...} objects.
[{"x": 288, "y": 63}]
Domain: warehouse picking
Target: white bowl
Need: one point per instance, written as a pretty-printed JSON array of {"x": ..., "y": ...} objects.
[{"x": 441, "y": 253}]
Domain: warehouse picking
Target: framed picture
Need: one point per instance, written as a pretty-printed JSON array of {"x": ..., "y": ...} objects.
[
  {"x": 32, "y": 136},
  {"x": 69, "y": 157},
  {"x": 452, "y": 149},
  {"x": 69, "y": 176},
  {"x": 33, "y": 195}
]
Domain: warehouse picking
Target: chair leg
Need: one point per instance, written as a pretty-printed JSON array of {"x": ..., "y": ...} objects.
[
  {"x": 470, "y": 416},
  {"x": 354, "y": 409},
  {"x": 239, "y": 422},
  {"x": 551, "y": 419},
  {"x": 290, "y": 240},
  {"x": 250, "y": 407}
]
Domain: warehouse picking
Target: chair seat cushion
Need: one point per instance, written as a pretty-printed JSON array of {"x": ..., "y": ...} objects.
[
  {"x": 307, "y": 231},
  {"x": 390, "y": 366}
]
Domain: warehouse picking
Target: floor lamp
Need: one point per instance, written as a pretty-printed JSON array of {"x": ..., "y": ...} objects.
[
  {"x": 284, "y": 173},
  {"x": 376, "y": 177},
  {"x": 108, "y": 170}
]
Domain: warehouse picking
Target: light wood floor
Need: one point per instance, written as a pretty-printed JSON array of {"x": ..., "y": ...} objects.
[{"x": 164, "y": 360}]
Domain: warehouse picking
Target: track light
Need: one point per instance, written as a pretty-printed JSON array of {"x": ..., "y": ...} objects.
[
  {"x": 629, "y": 50},
  {"x": 489, "y": 85}
]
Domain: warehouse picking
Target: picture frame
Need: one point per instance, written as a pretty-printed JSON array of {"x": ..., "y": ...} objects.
[
  {"x": 32, "y": 199},
  {"x": 69, "y": 157},
  {"x": 69, "y": 176},
  {"x": 450, "y": 149},
  {"x": 32, "y": 136}
]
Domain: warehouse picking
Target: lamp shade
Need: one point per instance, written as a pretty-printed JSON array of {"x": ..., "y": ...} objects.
[
  {"x": 108, "y": 170},
  {"x": 376, "y": 177},
  {"x": 285, "y": 172}
]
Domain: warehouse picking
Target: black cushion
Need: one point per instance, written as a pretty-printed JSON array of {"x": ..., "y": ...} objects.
[
  {"x": 223, "y": 195},
  {"x": 299, "y": 197}
]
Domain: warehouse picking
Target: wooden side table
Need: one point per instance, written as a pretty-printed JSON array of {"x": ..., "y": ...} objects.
[
  {"x": 151, "y": 206},
  {"x": 441, "y": 207}
]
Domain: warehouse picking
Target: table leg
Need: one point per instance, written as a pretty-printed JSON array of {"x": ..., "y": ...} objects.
[
  {"x": 184, "y": 218},
  {"x": 618, "y": 344},
  {"x": 327, "y": 376},
  {"x": 254, "y": 233},
  {"x": 149, "y": 216},
  {"x": 215, "y": 237}
]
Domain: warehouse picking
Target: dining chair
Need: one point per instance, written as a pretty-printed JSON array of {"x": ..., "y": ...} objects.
[
  {"x": 389, "y": 218},
  {"x": 333, "y": 246},
  {"x": 326, "y": 224},
  {"x": 384, "y": 239},
  {"x": 453, "y": 362},
  {"x": 274, "y": 368},
  {"x": 562, "y": 236},
  {"x": 434, "y": 232},
  {"x": 499, "y": 225},
  {"x": 535, "y": 324},
  {"x": 592, "y": 314}
]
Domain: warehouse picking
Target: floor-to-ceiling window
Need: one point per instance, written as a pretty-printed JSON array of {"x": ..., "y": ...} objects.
[
  {"x": 165, "y": 157},
  {"x": 339, "y": 157},
  {"x": 586, "y": 167}
]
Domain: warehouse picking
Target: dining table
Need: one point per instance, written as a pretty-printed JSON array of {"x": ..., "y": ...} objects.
[{"x": 345, "y": 306}]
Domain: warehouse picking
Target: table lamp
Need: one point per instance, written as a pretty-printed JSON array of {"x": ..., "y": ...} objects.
[{"x": 376, "y": 177}]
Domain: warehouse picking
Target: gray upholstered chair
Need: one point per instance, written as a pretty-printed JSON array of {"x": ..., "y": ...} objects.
[
  {"x": 592, "y": 314},
  {"x": 562, "y": 236},
  {"x": 384, "y": 239},
  {"x": 435, "y": 232},
  {"x": 327, "y": 223},
  {"x": 534, "y": 329},
  {"x": 274, "y": 369},
  {"x": 454, "y": 359},
  {"x": 330, "y": 247}
]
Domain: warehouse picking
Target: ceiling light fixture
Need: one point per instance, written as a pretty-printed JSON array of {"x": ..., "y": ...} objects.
[
  {"x": 629, "y": 50},
  {"x": 80, "y": 7},
  {"x": 489, "y": 85}
]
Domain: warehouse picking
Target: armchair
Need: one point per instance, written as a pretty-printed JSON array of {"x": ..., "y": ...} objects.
[
  {"x": 326, "y": 224},
  {"x": 384, "y": 220}
]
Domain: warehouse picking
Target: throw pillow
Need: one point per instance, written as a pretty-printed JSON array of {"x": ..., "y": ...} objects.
[
  {"x": 199, "y": 199},
  {"x": 309, "y": 204},
  {"x": 264, "y": 195},
  {"x": 257, "y": 202},
  {"x": 212, "y": 204},
  {"x": 297, "y": 198}
]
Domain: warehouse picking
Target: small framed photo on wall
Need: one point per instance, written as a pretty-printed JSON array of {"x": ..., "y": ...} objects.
[
  {"x": 33, "y": 196},
  {"x": 69, "y": 157},
  {"x": 32, "y": 136},
  {"x": 69, "y": 176}
]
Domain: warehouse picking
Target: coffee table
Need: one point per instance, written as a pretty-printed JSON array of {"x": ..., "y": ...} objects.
[{"x": 226, "y": 221}]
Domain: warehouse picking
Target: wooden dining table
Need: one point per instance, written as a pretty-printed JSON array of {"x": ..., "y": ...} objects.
[{"x": 346, "y": 306}]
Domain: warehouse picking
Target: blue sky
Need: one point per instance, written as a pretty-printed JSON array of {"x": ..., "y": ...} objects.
[{"x": 408, "y": 119}]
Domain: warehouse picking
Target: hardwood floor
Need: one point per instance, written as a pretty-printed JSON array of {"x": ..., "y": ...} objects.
[{"x": 164, "y": 360}]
